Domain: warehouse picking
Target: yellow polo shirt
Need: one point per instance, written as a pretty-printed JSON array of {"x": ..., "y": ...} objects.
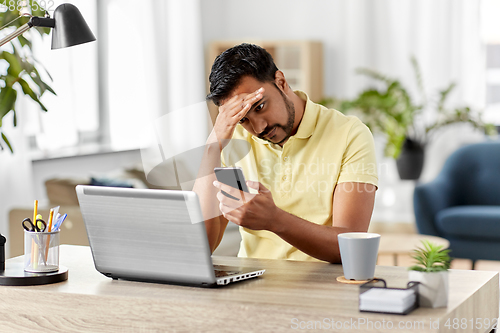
[{"x": 329, "y": 148}]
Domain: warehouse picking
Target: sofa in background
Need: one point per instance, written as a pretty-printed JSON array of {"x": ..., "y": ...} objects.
[{"x": 463, "y": 203}]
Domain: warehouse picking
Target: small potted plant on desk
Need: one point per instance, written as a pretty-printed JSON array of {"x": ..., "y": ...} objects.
[{"x": 431, "y": 271}]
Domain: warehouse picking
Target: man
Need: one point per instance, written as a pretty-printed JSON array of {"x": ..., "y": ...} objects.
[{"x": 313, "y": 169}]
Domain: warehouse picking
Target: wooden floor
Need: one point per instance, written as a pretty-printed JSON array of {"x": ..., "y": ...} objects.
[{"x": 406, "y": 260}]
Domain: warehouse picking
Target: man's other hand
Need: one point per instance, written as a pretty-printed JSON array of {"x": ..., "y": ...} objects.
[{"x": 252, "y": 211}]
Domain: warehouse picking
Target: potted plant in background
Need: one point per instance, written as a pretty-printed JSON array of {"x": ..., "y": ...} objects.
[
  {"x": 19, "y": 70},
  {"x": 391, "y": 111},
  {"x": 431, "y": 271}
]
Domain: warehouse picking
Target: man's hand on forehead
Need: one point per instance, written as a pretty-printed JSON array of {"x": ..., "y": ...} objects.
[
  {"x": 231, "y": 112},
  {"x": 243, "y": 100}
]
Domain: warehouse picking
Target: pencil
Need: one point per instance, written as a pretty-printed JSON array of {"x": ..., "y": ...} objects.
[
  {"x": 35, "y": 212},
  {"x": 49, "y": 228},
  {"x": 34, "y": 253},
  {"x": 51, "y": 217}
]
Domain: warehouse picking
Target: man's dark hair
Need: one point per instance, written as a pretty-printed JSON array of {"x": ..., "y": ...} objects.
[{"x": 234, "y": 63}]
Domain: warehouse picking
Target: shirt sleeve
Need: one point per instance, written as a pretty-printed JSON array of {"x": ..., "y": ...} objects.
[{"x": 359, "y": 163}]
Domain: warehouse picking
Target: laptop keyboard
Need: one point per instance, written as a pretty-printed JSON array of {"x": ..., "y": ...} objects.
[{"x": 219, "y": 273}]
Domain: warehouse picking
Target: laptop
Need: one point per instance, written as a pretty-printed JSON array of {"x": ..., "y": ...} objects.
[{"x": 152, "y": 236}]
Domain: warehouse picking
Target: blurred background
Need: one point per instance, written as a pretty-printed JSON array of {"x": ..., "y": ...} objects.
[{"x": 152, "y": 57}]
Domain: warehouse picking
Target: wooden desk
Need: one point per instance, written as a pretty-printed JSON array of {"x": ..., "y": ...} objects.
[{"x": 288, "y": 295}]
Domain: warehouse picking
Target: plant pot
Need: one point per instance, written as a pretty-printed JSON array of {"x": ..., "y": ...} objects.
[
  {"x": 411, "y": 160},
  {"x": 433, "y": 288}
]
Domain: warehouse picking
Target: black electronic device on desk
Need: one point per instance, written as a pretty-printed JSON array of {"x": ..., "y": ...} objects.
[
  {"x": 374, "y": 296},
  {"x": 2, "y": 253}
]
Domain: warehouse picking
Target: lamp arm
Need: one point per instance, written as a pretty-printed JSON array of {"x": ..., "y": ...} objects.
[
  {"x": 35, "y": 21},
  {"x": 22, "y": 29}
]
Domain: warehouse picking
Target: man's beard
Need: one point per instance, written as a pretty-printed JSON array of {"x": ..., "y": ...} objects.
[{"x": 288, "y": 127}]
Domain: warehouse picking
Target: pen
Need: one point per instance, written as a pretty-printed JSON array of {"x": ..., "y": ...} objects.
[
  {"x": 59, "y": 222},
  {"x": 56, "y": 213},
  {"x": 35, "y": 211},
  {"x": 51, "y": 216}
]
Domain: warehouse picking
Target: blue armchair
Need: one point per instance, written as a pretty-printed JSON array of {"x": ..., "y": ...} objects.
[{"x": 463, "y": 203}]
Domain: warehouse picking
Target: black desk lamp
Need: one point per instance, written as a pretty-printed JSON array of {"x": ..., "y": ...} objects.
[{"x": 69, "y": 27}]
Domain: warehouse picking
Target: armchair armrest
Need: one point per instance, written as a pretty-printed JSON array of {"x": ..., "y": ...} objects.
[{"x": 428, "y": 200}]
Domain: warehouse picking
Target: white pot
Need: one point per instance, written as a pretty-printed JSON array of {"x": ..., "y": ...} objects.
[{"x": 433, "y": 288}]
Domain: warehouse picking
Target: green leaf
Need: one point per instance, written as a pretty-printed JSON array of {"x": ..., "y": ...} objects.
[
  {"x": 42, "y": 31},
  {"x": 35, "y": 76},
  {"x": 416, "y": 268},
  {"x": 28, "y": 91},
  {"x": 7, "y": 142},
  {"x": 374, "y": 75},
  {"x": 444, "y": 95},
  {"x": 24, "y": 41},
  {"x": 418, "y": 76},
  {"x": 8, "y": 16},
  {"x": 8, "y": 97},
  {"x": 49, "y": 89},
  {"x": 15, "y": 66},
  {"x": 44, "y": 68}
]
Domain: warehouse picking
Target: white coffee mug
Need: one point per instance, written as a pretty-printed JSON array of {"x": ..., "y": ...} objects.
[{"x": 358, "y": 251}]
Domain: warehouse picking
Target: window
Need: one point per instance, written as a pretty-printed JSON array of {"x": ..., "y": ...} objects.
[
  {"x": 491, "y": 38},
  {"x": 131, "y": 75},
  {"x": 73, "y": 115}
]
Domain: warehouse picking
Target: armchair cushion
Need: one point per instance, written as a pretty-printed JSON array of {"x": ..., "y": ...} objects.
[{"x": 470, "y": 222}]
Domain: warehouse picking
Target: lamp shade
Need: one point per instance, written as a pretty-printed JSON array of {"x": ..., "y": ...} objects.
[{"x": 70, "y": 27}]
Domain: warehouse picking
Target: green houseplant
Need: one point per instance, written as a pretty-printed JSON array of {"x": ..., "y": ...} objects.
[
  {"x": 19, "y": 70},
  {"x": 431, "y": 270},
  {"x": 431, "y": 258},
  {"x": 391, "y": 110}
]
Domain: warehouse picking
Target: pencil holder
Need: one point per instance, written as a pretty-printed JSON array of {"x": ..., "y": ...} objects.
[{"x": 41, "y": 251}]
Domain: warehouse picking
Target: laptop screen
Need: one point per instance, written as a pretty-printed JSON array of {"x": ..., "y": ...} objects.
[{"x": 144, "y": 234}]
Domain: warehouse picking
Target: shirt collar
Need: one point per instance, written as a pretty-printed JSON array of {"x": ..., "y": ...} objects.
[{"x": 307, "y": 124}]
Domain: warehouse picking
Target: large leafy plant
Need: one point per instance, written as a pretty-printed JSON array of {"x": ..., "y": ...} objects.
[
  {"x": 22, "y": 69},
  {"x": 391, "y": 110},
  {"x": 431, "y": 258}
]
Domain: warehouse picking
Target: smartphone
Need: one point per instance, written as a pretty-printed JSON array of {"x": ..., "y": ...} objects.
[{"x": 232, "y": 176}]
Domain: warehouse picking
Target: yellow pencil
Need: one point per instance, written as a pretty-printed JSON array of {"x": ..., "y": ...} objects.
[
  {"x": 51, "y": 217},
  {"x": 35, "y": 212},
  {"x": 49, "y": 229},
  {"x": 34, "y": 253}
]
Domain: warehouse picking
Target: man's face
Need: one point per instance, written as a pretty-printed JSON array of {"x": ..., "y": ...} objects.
[{"x": 272, "y": 117}]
